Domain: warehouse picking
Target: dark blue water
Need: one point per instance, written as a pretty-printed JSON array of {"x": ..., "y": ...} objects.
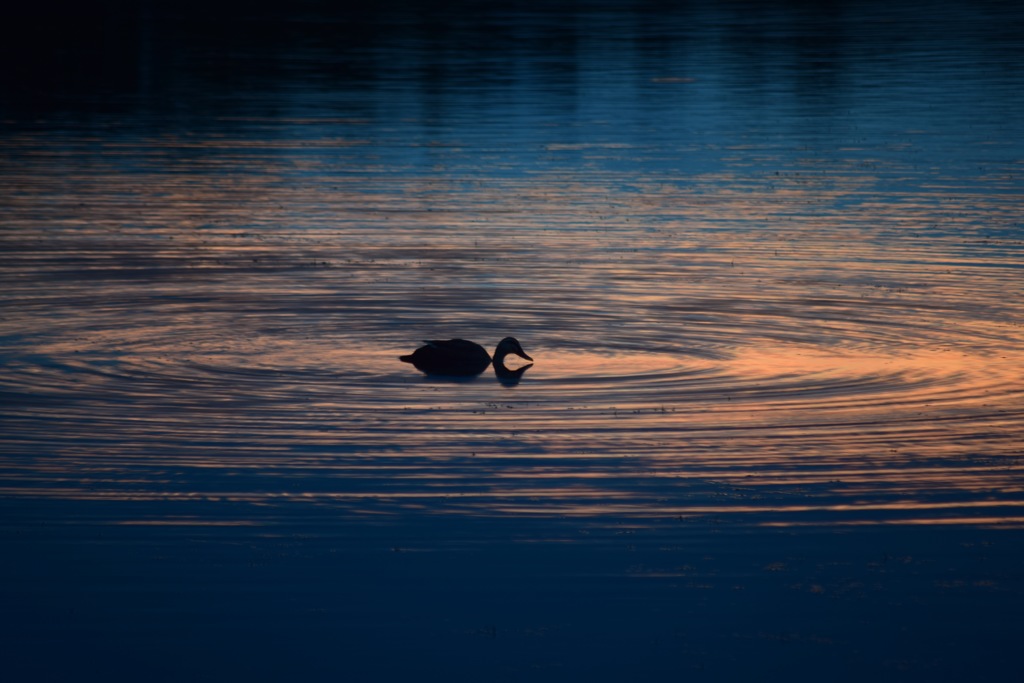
[{"x": 767, "y": 261}]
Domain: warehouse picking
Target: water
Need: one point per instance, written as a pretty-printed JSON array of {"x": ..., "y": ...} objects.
[{"x": 768, "y": 263}]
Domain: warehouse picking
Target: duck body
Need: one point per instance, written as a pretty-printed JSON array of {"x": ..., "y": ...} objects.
[{"x": 460, "y": 357}]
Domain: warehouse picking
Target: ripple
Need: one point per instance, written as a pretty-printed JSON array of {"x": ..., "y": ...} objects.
[
  {"x": 852, "y": 428},
  {"x": 772, "y": 338}
]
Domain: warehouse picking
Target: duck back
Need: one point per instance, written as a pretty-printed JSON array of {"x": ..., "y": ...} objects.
[{"x": 449, "y": 357}]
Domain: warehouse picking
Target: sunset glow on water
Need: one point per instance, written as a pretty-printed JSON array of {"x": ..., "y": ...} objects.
[{"x": 768, "y": 264}]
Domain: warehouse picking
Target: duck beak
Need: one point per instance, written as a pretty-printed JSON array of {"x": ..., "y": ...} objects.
[{"x": 523, "y": 354}]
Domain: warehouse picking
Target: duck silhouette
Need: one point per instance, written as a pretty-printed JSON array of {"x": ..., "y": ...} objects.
[{"x": 463, "y": 358}]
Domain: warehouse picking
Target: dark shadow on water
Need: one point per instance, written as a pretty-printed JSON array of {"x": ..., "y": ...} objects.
[
  {"x": 506, "y": 376},
  {"x": 510, "y": 378}
]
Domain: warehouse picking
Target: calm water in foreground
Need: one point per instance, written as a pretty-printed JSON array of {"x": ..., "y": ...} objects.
[{"x": 769, "y": 264}]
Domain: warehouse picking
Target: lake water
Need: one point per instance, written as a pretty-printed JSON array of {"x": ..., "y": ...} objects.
[{"x": 768, "y": 263}]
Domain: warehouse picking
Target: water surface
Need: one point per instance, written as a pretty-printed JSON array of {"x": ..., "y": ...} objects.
[{"x": 768, "y": 263}]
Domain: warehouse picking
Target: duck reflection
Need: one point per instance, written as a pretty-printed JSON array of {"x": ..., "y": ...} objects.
[
  {"x": 508, "y": 377},
  {"x": 463, "y": 359}
]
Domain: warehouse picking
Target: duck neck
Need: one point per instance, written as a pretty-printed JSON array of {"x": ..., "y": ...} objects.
[{"x": 499, "y": 356}]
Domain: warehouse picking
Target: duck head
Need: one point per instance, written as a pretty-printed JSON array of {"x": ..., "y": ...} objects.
[{"x": 506, "y": 346}]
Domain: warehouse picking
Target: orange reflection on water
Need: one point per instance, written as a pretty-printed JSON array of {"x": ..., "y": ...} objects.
[{"x": 222, "y": 324}]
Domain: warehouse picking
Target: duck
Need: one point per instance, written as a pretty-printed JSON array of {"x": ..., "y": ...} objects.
[{"x": 461, "y": 357}]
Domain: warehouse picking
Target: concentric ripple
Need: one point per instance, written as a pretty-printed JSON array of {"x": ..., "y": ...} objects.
[
  {"x": 733, "y": 397},
  {"x": 761, "y": 323}
]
